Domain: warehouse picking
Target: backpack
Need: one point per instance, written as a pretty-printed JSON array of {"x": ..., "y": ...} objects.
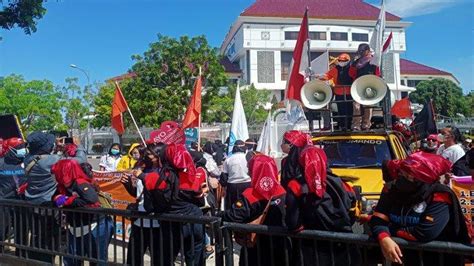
[
  {"x": 160, "y": 197},
  {"x": 336, "y": 211}
]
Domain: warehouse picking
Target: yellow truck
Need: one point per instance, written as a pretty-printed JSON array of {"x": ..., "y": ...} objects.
[{"x": 358, "y": 156}]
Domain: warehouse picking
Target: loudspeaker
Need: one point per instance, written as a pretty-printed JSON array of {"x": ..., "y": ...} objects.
[
  {"x": 316, "y": 94},
  {"x": 368, "y": 90},
  {"x": 10, "y": 127}
]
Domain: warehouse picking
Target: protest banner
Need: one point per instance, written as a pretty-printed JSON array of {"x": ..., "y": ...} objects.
[
  {"x": 109, "y": 183},
  {"x": 463, "y": 187}
]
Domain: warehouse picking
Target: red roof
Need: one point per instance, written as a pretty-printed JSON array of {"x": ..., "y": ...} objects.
[
  {"x": 325, "y": 9},
  {"x": 124, "y": 76},
  {"x": 230, "y": 67},
  {"x": 408, "y": 67}
]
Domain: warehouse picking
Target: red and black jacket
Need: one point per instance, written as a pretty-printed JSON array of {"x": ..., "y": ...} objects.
[
  {"x": 165, "y": 193},
  {"x": 332, "y": 212},
  {"x": 436, "y": 218},
  {"x": 251, "y": 205}
]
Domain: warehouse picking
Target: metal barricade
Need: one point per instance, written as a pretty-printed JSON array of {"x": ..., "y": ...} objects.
[
  {"x": 276, "y": 246},
  {"x": 75, "y": 235},
  {"x": 57, "y": 235}
]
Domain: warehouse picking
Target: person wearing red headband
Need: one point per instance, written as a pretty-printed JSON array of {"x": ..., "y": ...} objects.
[
  {"x": 265, "y": 189},
  {"x": 75, "y": 190},
  {"x": 415, "y": 206},
  {"x": 292, "y": 144},
  {"x": 320, "y": 201},
  {"x": 175, "y": 188},
  {"x": 12, "y": 176}
]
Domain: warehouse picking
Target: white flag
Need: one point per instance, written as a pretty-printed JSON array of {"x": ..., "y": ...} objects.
[
  {"x": 264, "y": 141},
  {"x": 238, "y": 130},
  {"x": 320, "y": 65},
  {"x": 376, "y": 41}
]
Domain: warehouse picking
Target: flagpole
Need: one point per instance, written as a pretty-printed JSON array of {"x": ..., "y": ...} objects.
[
  {"x": 130, "y": 112},
  {"x": 308, "y": 41},
  {"x": 199, "y": 119}
]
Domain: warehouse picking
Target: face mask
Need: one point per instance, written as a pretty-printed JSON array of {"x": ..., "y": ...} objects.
[
  {"x": 343, "y": 64},
  {"x": 440, "y": 137},
  {"x": 405, "y": 185},
  {"x": 114, "y": 151},
  {"x": 21, "y": 153},
  {"x": 136, "y": 156}
]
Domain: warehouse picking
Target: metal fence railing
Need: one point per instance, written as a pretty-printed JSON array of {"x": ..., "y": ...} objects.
[{"x": 67, "y": 236}]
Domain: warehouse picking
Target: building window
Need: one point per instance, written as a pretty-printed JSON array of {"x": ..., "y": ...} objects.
[
  {"x": 291, "y": 35},
  {"x": 318, "y": 36},
  {"x": 339, "y": 36},
  {"x": 285, "y": 64},
  {"x": 314, "y": 35},
  {"x": 402, "y": 82},
  {"x": 266, "y": 67},
  {"x": 360, "y": 37},
  {"x": 286, "y": 58},
  {"x": 413, "y": 83},
  {"x": 404, "y": 94},
  {"x": 247, "y": 61}
]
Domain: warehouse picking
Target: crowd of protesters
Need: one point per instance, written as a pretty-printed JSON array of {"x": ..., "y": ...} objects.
[{"x": 171, "y": 179}]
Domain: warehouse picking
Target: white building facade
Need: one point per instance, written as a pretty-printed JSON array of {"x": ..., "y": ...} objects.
[{"x": 262, "y": 45}]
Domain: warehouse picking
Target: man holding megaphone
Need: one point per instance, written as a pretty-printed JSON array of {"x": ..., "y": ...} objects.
[
  {"x": 362, "y": 66},
  {"x": 341, "y": 82}
]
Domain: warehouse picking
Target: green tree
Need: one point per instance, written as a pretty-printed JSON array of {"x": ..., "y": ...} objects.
[
  {"x": 446, "y": 95},
  {"x": 165, "y": 76},
  {"x": 37, "y": 103},
  {"x": 253, "y": 101},
  {"x": 21, "y": 13}
]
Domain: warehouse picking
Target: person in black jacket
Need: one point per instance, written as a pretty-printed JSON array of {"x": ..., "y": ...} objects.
[
  {"x": 292, "y": 144},
  {"x": 176, "y": 189},
  {"x": 89, "y": 234},
  {"x": 145, "y": 233},
  {"x": 416, "y": 207},
  {"x": 320, "y": 201},
  {"x": 12, "y": 174},
  {"x": 265, "y": 191}
]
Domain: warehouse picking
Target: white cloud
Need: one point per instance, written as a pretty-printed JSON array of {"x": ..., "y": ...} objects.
[{"x": 413, "y": 8}]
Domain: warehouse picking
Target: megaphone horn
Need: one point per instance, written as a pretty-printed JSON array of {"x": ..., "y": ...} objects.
[
  {"x": 368, "y": 90},
  {"x": 316, "y": 94}
]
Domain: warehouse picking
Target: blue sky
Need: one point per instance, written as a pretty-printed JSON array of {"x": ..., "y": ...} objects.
[{"x": 100, "y": 36}]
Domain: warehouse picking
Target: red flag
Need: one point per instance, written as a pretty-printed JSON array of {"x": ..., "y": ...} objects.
[
  {"x": 402, "y": 108},
  {"x": 386, "y": 45},
  {"x": 119, "y": 105},
  {"x": 299, "y": 62},
  {"x": 191, "y": 119}
]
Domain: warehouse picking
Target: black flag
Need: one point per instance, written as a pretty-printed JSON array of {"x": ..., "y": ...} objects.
[{"x": 424, "y": 123}]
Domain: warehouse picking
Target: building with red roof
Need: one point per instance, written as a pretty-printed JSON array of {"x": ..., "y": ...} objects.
[{"x": 262, "y": 39}]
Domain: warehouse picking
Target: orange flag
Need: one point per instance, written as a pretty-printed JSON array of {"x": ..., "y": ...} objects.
[
  {"x": 191, "y": 119},
  {"x": 402, "y": 108},
  {"x": 119, "y": 105}
]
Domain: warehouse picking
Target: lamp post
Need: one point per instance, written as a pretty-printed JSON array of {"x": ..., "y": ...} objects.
[
  {"x": 87, "y": 117},
  {"x": 83, "y": 71}
]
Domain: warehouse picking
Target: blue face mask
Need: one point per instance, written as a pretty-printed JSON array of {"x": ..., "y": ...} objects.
[
  {"x": 21, "y": 153},
  {"x": 115, "y": 151}
]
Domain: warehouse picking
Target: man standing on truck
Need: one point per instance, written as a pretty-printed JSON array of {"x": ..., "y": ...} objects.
[
  {"x": 341, "y": 82},
  {"x": 361, "y": 67}
]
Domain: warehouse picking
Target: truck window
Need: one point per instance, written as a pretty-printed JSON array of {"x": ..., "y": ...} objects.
[{"x": 356, "y": 153}]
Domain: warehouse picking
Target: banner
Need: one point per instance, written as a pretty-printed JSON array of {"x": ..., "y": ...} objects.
[
  {"x": 463, "y": 187},
  {"x": 109, "y": 183},
  {"x": 169, "y": 132}
]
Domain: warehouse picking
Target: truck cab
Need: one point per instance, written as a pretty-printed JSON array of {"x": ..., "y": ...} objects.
[{"x": 358, "y": 156}]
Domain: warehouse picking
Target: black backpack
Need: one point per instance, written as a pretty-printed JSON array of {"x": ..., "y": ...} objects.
[
  {"x": 333, "y": 212},
  {"x": 159, "y": 200}
]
